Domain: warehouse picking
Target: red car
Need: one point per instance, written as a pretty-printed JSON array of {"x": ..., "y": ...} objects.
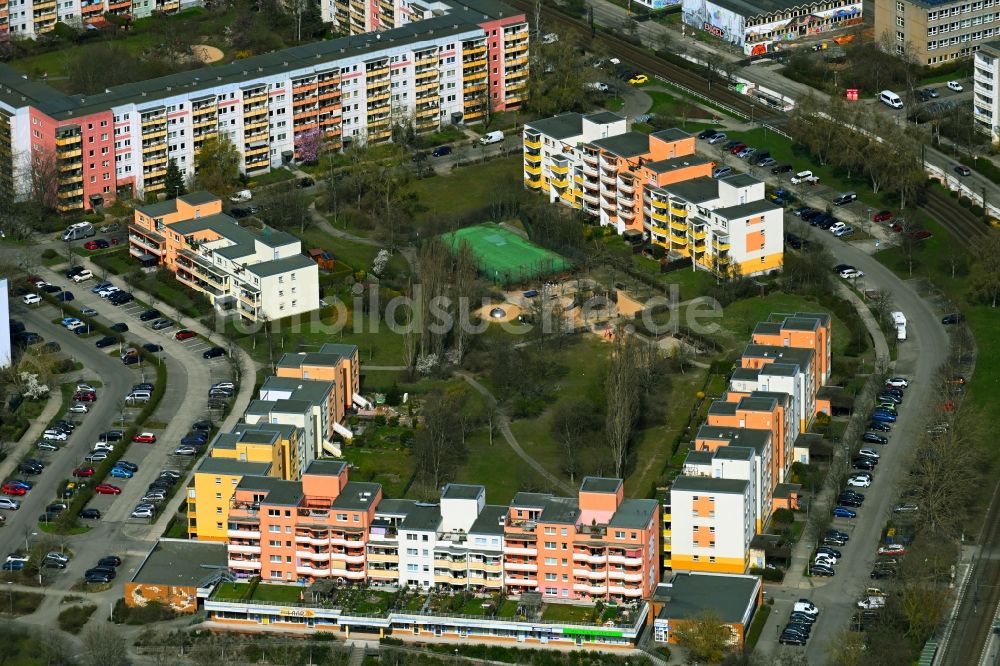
[
  {"x": 737, "y": 148},
  {"x": 11, "y": 489},
  {"x": 98, "y": 244},
  {"x": 882, "y": 216},
  {"x": 919, "y": 234},
  {"x": 897, "y": 227},
  {"x": 145, "y": 438},
  {"x": 107, "y": 489},
  {"x": 185, "y": 334},
  {"x": 83, "y": 471},
  {"x": 85, "y": 396},
  {"x": 34, "y": 279}
]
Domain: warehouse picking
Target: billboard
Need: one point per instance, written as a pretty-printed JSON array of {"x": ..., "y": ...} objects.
[{"x": 5, "y": 358}]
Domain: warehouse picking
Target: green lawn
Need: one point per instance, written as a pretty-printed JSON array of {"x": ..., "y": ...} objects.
[
  {"x": 740, "y": 318},
  {"x": 568, "y": 613},
  {"x": 264, "y": 592},
  {"x": 482, "y": 462},
  {"x": 391, "y": 468},
  {"x": 757, "y": 626},
  {"x": 468, "y": 188},
  {"x": 271, "y": 177}
]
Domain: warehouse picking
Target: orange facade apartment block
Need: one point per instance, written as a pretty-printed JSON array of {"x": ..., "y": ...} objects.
[
  {"x": 757, "y": 412},
  {"x": 802, "y": 330},
  {"x": 148, "y": 231},
  {"x": 337, "y": 363}
]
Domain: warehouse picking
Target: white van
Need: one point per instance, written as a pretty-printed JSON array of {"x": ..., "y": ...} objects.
[
  {"x": 890, "y": 98},
  {"x": 137, "y": 397},
  {"x": 899, "y": 321},
  {"x": 79, "y": 230},
  {"x": 492, "y": 137},
  {"x": 241, "y": 196}
]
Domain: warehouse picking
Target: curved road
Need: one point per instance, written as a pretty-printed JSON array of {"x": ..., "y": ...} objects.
[{"x": 919, "y": 358}]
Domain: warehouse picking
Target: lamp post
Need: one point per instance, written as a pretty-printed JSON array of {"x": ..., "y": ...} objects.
[{"x": 10, "y": 595}]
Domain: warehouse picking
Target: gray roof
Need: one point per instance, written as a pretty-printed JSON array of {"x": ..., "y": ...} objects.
[
  {"x": 182, "y": 562},
  {"x": 274, "y": 238},
  {"x": 745, "y": 374},
  {"x": 634, "y": 513},
  {"x": 707, "y": 484},
  {"x": 745, "y": 210},
  {"x": 780, "y": 369},
  {"x": 799, "y": 355},
  {"x": 524, "y": 500},
  {"x": 265, "y": 431},
  {"x": 298, "y": 359},
  {"x": 326, "y": 467},
  {"x": 723, "y": 408},
  {"x": 604, "y": 117},
  {"x": 697, "y": 457},
  {"x": 231, "y": 466},
  {"x": 755, "y": 438},
  {"x": 671, "y": 134},
  {"x": 464, "y": 17},
  {"x": 563, "y": 126},
  {"x": 786, "y": 490},
  {"x": 394, "y": 507},
  {"x": 689, "y": 595},
  {"x": 422, "y": 518},
  {"x": 822, "y": 317},
  {"x": 800, "y": 323},
  {"x": 741, "y": 180},
  {"x": 664, "y": 166},
  {"x": 198, "y": 198},
  {"x": 357, "y": 496},
  {"x": 292, "y": 263},
  {"x": 339, "y": 349},
  {"x": 757, "y": 404},
  {"x": 284, "y": 493},
  {"x": 767, "y": 328},
  {"x": 695, "y": 190},
  {"x": 460, "y": 491},
  {"x": 598, "y": 484},
  {"x": 158, "y": 209},
  {"x": 313, "y": 391},
  {"x": 772, "y": 397},
  {"x": 560, "y": 510},
  {"x": 489, "y": 520},
  {"x": 734, "y": 453},
  {"x": 627, "y": 144}
]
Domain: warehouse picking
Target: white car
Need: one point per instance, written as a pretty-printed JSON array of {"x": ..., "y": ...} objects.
[
  {"x": 804, "y": 177},
  {"x": 107, "y": 291},
  {"x": 103, "y": 446},
  {"x": 869, "y": 453},
  {"x": 79, "y": 408},
  {"x": 597, "y": 85},
  {"x": 872, "y": 603},
  {"x": 85, "y": 387},
  {"x": 17, "y": 557},
  {"x": 73, "y": 325},
  {"x": 55, "y": 434},
  {"x": 897, "y": 382},
  {"x": 82, "y": 276},
  {"x": 892, "y": 549},
  {"x": 859, "y": 482},
  {"x": 805, "y": 606},
  {"x": 956, "y": 86},
  {"x": 185, "y": 451},
  {"x": 10, "y": 504},
  {"x": 224, "y": 385},
  {"x": 851, "y": 274},
  {"x": 32, "y": 299},
  {"x": 825, "y": 558},
  {"x": 56, "y": 556},
  {"x": 142, "y": 513},
  {"x": 837, "y": 227}
]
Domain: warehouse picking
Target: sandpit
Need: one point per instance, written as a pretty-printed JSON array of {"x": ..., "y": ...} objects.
[
  {"x": 510, "y": 312},
  {"x": 207, "y": 54}
]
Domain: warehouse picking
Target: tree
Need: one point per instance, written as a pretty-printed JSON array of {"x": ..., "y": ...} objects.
[
  {"x": 217, "y": 165},
  {"x": 986, "y": 276},
  {"x": 622, "y": 395},
  {"x": 705, "y": 637},
  {"x": 104, "y": 645},
  {"x": 309, "y": 144},
  {"x": 847, "y": 649},
  {"x": 287, "y": 206},
  {"x": 438, "y": 447},
  {"x": 572, "y": 426},
  {"x": 174, "y": 183}
]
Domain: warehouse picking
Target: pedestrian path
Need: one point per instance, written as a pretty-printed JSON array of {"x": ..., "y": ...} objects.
[{"x": 34, "y": 432}]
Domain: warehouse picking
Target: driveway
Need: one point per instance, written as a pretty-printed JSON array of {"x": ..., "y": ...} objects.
[{"x": 918, "y": 359}]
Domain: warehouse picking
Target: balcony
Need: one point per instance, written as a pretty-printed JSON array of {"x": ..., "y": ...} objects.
[
  {"x": 590, "y": 589},
  {"x": 69, "y": 140},
  {"x": 625, "y": 186},
  {"x": 592, "y": 574},
  {"x": 520, "y": 566},
  {"x": 626, "y": 214},
  {"x": 678, "y": 212},
  {"x": 589, "y": 558},
  {"x": 255, "y": 97},
  {"x": 244, "y": 564},
  {"x": 243, "y": 548},
  {"x": 533, "y": 141},
  {"x": 516, "y": 550},
  {"x": 720, "y": 243}
]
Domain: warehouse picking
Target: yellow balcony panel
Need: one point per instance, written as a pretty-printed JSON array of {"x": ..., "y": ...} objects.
[
  {"x": 156, "y": 120},
  {"x": 534, "y": 169},
  {"x": 205, "y": 123},
  {"x": 155, "y": 134},
  {"x": 73, "y": 180},
  {"x": 474, "y": 51},
  {"x": 429, "y": 61},
  {"x": 156, "y": 173},
  {"x": 474, "y": 88},
  {"x": 473, "y": 115},
  {"x": 253, "y": 113},
  {"x": 678, "y": 226},
  {"x": 514, "y": 62},
  {"x": 698, "y": 235},
  {"x": 69, "y": 153},
  {"x": 559, "y": 182},
  {"x": 380, "y": 71},
  {"x": 720, "y": 245},
  {"x": 559, "y": 168},
  {"x": 433, "y": 85},
  {"x": 659, "y": 217},
  {"x": 659, "y": 204},
  {"x": 254, "y": 138},
  {"x": 255, "y": 151},
  {"x": 69, "y": 140},
  {"x": 534, "y": 159},
  {"x": 533, "y": 143},
  {"x": 259, "y": 98},
  {"x": 381, "y": 97},
  {"x": 425, "y": 113},
  {"x": 154, "y": 161},
  {"x": 679, "y": 212},
  {"x": 254, "y": 125},
  {"x": 470, "y": 64},
  {"x": 71, "y": 193},
  {"x": 38, "y": 6}
]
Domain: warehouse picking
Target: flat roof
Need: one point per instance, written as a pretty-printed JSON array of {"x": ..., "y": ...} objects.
[
  {"x": 279, "y": 266},
  {"x": 740, "y": 180},
  {"x": 340, "y": 349},
  {"x": 707, "y": 484},
  {"x": 422, "y": 518},
  {"x": 723, "y": 408},
  {"x": 767, "y": 328},
  {"x": 599, "y": 484},
  {"x": 671, "y": 134},
  {"x": 311, "y": 390},
  {"x": 275, "y": 238},
  {"x": 786, "y": 490},
  {"x": 182, "y": 562},
  {"x": 524, "y": 500},
  {"x": 745, "y": 374},
  {"x": 801, "y": 323},
  {"x": 232, "y": 466},
  {"x": 749, "y": 8},
  {"x": 753, "y": 437},
  {"x": 394, "y": 507},
  {"x": 674, "y": 163},
  {"x": 780, "y": 369},
  {"x": 627, "y": 144},
  {"x": 689, "y": 595},
  {"x": 822, "y": 317},
  {"x": 695, "y": 190},
  {"x": 747, "y": 209},
  {"x": 800, "y": 355},
  {"x": 357, "y": 495},
  {"x": 461, "y": 491},
  {"x": 698, "y": 457},
  {"x": 326, "y": 467},
  {"x": 560, "y": 510},
  {"x": 279, "y": 491},
  {"x": 732, "y": 452},
  {"x": 634, "y": 513},
  {"x": 756, "y": 404},
  {"x": 490, "y": 520},
  {"x": 562, "y": 126}
]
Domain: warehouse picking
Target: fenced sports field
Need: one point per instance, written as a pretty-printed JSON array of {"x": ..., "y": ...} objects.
[{"x": 503, "y": 256}]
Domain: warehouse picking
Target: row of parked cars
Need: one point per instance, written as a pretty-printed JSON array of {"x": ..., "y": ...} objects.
[
  {"x": 803, "y": 616},
  {"x": 823, "y": 220}
]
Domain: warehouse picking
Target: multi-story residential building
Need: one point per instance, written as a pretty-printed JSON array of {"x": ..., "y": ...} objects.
[
  {"x": 314, "y": 398},
  {"x": 33, "y": 19},
  {"x": 598, "y": 545},
  {"x": 657, "y": 187},
  {"x": 258, "y": 276},
  {"x": 337, "y": 363},
  {"x": 782, "y": 370},
  {"x": 712, "y": 439},
  {"x": 986, "y": 90},
  {"x": 934, "y": 32},
  {"x": 760, "y": 411},
  {"x": 803, "y": 330},
  {"x": 712, "y": 523},
  {"x": 469, "y": 56}
]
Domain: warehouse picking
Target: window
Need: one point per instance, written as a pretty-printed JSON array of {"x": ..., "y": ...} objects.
[
  {"x": 550, "y": 545},
  {"x": 274, "y": 528},
  {"x": 218, "y": 496},
  {"x": 276, "y": 558},
  {"x": 563, "y": 531},
  {"x": 550, "y": 530},
  {"x": 551, "y": 576},
  {"x": 411, "y": 551},
  {"x": 550, "y": 561},
  {"x": 619, "y": 534},
  {"x": 273, "y": 512},
  {"x": 342, "y": 516},
  {"x": 274, "y": 544}
]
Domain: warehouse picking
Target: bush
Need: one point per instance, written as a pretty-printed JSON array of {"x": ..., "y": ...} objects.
[
  {"x": 49, "y": 253},
  {"x": 73, "y": 618},
  {"x": 783, "y": 516},
  {"x": 154, "y": 611}
]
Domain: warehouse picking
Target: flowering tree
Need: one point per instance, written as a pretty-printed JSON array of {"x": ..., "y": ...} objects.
[
  {"x": 381, "y": 259},
  {"x": 308, "y": 145},
  {"x": 33, "y": 389}
]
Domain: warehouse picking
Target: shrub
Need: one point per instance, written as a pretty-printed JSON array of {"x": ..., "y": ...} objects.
[
  {"x": 73, "y": 618},
  {"x": 783, "y": 516},
  {"x": 49, "y": 253},
  {"x": 154, "y": 611}
]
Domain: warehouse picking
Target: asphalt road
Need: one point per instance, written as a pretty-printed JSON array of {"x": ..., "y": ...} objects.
[{"x": 918, "y": 359}]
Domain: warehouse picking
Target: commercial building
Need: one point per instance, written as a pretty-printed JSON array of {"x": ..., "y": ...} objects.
[
  {"x": 734, "y": 599},
  {"x": 470, "y": 56},
  {"x": 933, "y": 32},
  {"x": 177, "y": 573},
  {"x": 767, "y": 26},
  {"x": 257, "y": 276},
  {"x": 986, "y": 90},
  {"x": 655, "y": 187}
]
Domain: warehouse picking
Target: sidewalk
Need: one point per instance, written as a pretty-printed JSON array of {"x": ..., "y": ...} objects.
[{"x": 33, "y": 433}]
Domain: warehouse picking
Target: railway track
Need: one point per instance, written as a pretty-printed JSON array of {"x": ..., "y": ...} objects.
[
  {"x": 962, "y": 224},
  {"x": 652, "y": 65}
]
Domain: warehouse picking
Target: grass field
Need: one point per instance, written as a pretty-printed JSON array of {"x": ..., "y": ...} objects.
[
  {"x": 740, "y": 318},
  {"x": 503, "y": 255},
  {"x": 468, "y": 188}
]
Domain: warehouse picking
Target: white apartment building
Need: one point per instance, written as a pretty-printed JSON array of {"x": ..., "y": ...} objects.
[
  {"x": 712, "y": 443},
  {"x": 787, "y": 370},
  {"x": 713, "y": 522},
  {"x": 28, "y": 20},
  {"x": 986, "y": 90}
]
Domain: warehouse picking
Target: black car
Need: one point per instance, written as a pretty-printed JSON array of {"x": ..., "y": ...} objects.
[
  {"x": 106, "y": 341},
  {"x": 143, "y": 386},
  {"x": 441, "y": 151},
  {"x": 104, "y": 569},
  {"x": 801, "y": 210},
  {"x": 110, "y": 561},
  {"x": 849, "y": 501},
  {"x": 789, "y": 639},
  {"x": 29, "y": 338},
  {"x": 214, "y": 352},
  {"x": 833, "y": 541},
  {"x": 112, "y": 436},
  {"x": 53, "y": 564},
  {"x": 120, "y": 327},
  {"x": 63, "y": 423},
  {"x": 55, "y": 507},
  {"x": 879, "y": 573},
  {"x": 781, "y": 168},
  {"x": 802, "y": 618},
  {"x": 829, "y": 551},
  {"x": 121, "y": 298},
  {"x": 800, "y": 627},
  {"x": 874, "y": 438},
  {"x": 152, "y": 348},
  {"x": 76, "y": 270},
  {"x": 793, "y": 241},
  {"x": 48, "y": 517},
  {"x": 96, "y": 578},
  {"x": 51, "y": 289},
  {"x": 65, "y": 296},
  {"x": 707, "y": 134},
  {"x": 305, "y": 182},
  {"x": 28, "y": 468},
  {"x": 90, "y": 514},
  {"x": 820, "y": 570},
  {"x": 839, "y": 534},
  {"x": 952, "y": 319},
  {"x": 240, "y": 213},
  {"x": 890, "y": 397},
  {"x": 149, "y": 315},
  {"x": 879, "y": 426},
  {"x": 863, "y": 463},
  {"x": 204, "y": 426}
]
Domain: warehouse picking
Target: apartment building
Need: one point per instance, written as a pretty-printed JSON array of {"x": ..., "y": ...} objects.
[
  {"x": 713, "y": 522},
  {"x": 655, "y": 186},
  {"x": 337, "y": 363},
  {"x": 986, "y": 90},
  {"x": 257, "y": 276},
  {"x": 761, "y": 411},
  {"x": 785, "y": 370},
  {"x": 713, "y": 439},
  {"x": 33, "y": 19},
  {"x": 805, "y": 330},
  {"x": 937, "y": 32},
  {"x": 467, "y": 57},
  {"x": 313, "y": 401}
]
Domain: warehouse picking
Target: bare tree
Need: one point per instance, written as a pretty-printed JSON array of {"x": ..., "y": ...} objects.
[
  {"x": 104, "y": 645},
  {"x": 622, "y": 393},
  {"x": 986, "y": 279}
]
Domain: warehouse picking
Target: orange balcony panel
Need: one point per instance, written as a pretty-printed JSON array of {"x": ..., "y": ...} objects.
[
  {"x": 305, "y": 115},
  {"x": 304, "y": 88},
  {"x": 305, "y": 126}
]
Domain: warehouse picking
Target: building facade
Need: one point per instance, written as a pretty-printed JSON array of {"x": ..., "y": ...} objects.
[
  {"x": 469, "y": 57},
  {"x": 937, "y": 32},
  {"x": 764, "y": 27},
  {"x": 257, "y": 276},
  {"x": 33, "y": 19},
  {"x": 713, "y": 523},
  {"x": 986, "y": 90},
  {"x": 655, "y": 187}
]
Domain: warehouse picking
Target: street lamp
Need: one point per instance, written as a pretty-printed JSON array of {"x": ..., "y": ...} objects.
[{"x": 10, "y": 595}]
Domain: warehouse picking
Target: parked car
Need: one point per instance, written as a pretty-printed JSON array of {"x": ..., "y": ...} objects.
[
  {"x": 185, "y": 334},
  {"x": 90, "y": 514},
  {"x": 83, "y": 472},
  {"x": 107, "y": 489},
  {"x": 874, "y": 438},
  {"x": 858, "y": 482},
  {"x": 121, "y": 473},
  {"x": 185, "y": 451},
  {"x": 441, "y": 151},
  {"x": 79, "y": 408},
  {"x": 213, "y": 352},
  {"x": 892, "y": 549},
  {"x": 781, "y": 168},
  {"x": 843, "y": 512},
  {"x": 144, "y": 438}
]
